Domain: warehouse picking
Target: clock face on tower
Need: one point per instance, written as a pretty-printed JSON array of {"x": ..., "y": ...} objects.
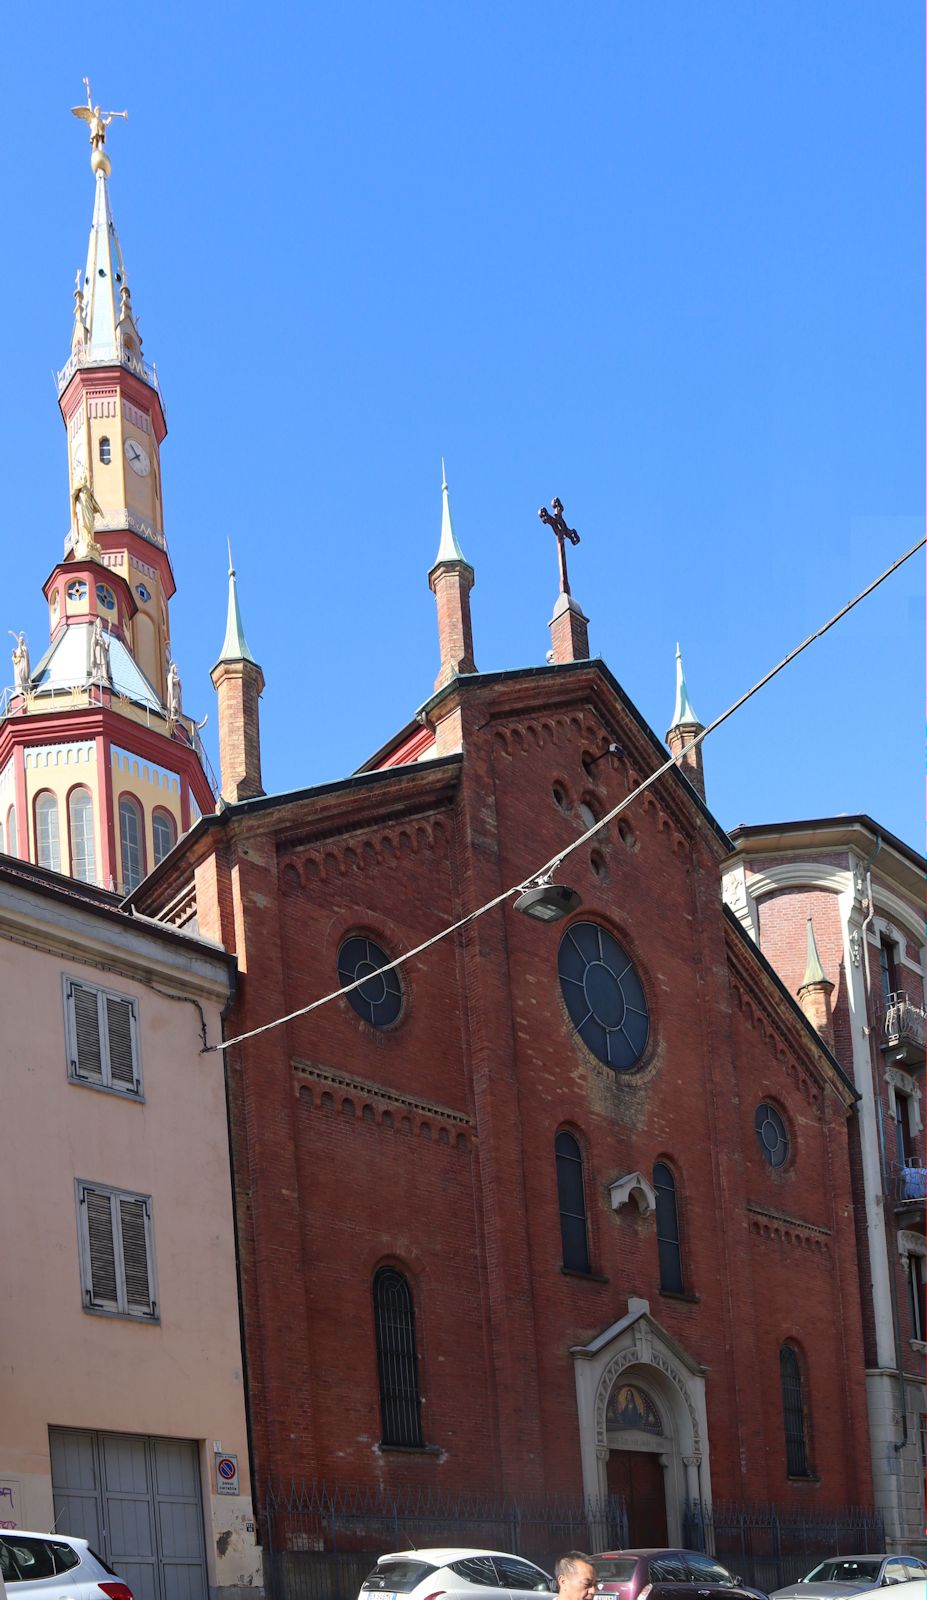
[
  {"x": 79, "y": 458},
  {"x": 137, "y": 458}
]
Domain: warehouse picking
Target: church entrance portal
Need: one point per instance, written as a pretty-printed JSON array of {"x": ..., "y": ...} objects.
[{"x": 638, "y": 1477}]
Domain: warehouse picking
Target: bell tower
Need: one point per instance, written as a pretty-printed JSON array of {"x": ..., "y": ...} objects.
[{"x": 100, "y": 768}]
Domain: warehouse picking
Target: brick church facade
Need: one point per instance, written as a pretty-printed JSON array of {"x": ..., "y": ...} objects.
[{"x": 552, "y": 1207}]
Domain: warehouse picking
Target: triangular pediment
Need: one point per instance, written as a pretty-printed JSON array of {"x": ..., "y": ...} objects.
[{"x": 638, "y": 1319}]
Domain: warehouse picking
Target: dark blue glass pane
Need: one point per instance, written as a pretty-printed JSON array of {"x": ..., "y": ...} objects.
[
  {"x": 603, "y": 993},
  {"x": 378, "y": 998}
]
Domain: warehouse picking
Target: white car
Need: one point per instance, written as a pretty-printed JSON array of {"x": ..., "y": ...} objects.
[
  {"x": 848, "y": 1577},
  {"x": 453, "y": 1571},
  {"x": 53, "y": 1566}
]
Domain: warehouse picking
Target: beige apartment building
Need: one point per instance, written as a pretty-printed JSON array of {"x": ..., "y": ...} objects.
[{"x": 121, "y": 1386}]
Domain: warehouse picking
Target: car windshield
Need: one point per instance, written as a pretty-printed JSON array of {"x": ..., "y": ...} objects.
[
  {"x": 614, "y": 1569},
  {"x": 397, "y": 1577},
  {"x": 845, "y": 1571}
]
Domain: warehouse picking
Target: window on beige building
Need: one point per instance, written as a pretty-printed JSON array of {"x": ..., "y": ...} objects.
[
  {"x": 102, "y": 1038},
  {"x": 116, "y": 1251}
]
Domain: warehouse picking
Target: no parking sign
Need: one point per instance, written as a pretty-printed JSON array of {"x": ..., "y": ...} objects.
[{"x": 226, "y": 1474}]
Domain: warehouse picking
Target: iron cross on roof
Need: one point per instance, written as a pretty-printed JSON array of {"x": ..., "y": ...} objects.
[{"x": 555, "y": 519}]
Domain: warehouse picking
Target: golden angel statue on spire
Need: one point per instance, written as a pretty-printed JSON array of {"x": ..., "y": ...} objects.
[{"x": 97, "y": 120}]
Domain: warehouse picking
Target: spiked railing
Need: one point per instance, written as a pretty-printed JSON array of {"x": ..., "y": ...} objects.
[{"x": 148, "y": 372}]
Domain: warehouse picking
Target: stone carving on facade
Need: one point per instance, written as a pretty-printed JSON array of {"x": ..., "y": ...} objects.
[
  {"x": 100, "y": 671},
  {"x": 174, "y": 696},
  {"x": 22, "y": 671},
  {"x": 85, "y": 508},
  {"x": 854, "y": 942},
  {"x": 634, "y": 1187}
]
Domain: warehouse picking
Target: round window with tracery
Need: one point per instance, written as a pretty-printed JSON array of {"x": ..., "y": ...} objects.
[
  {"x": 772, "y": 1134},
  {"x": 603, "y": 995},
  {"x": 378, "y": 999}
]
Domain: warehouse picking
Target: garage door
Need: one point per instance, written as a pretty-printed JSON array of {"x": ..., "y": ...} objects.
[{"x": 138, "y": 1502}]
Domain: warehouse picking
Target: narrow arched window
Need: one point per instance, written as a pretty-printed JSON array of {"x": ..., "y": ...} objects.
[
  {"x": 106, "y": 453},
  {"x": 571, "y": 1194},
  {"x": 83, "y": 848},
  {"x": 669, "y": 1248},
  {"x": 12, "y": 846},
  {"x": 164, "y": 831},
  {"x": 47, "y": 847},
  {"x": 793, "y": 1412},
  {"x": 130, "y": 843},
  {"x": 397, "y": 1359}
]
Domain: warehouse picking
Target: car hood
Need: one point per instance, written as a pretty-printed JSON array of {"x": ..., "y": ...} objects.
[{"x": 819, "y": 1591}]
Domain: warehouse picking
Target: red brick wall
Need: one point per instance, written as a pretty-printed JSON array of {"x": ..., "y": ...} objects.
[{"x": 331, "y": 1183}]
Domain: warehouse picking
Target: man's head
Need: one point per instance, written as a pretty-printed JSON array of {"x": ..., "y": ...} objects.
[{"x": 575, "y": 1576}]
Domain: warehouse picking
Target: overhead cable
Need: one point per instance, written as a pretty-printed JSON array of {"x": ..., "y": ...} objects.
[{"x": 551, "y": 866}]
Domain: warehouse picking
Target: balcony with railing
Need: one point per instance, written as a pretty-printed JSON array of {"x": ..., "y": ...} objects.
[
  {"x": 907, "y": 1192},
  {"x": 904, "y": 1030},
  {"x": 114, "y": 356}
]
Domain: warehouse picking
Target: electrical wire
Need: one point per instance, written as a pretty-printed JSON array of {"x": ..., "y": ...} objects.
[{"x": 544, "y": 874}]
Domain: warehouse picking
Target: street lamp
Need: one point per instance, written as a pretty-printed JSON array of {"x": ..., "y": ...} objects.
[{"x": 547, "y": 901}]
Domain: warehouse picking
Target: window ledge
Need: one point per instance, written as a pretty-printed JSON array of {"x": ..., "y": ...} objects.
[
  {"x": 803, "y": 1477},
  {"x": 585, "y": 1277},
  {"x": 410, "y": 1449},
  {"x": 920, "y": 1345},
  {"x": 687, "y": 1296}
]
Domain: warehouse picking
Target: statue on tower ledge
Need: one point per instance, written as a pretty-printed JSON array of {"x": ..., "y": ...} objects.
[{"x": 84, "y": 509}]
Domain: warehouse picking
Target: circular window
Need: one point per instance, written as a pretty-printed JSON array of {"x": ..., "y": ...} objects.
[
  {"x": 77, "y": 590},
  {"x": 379, "y": 998},
  {"x": 772, "y": 1134},
  {"x": 603, "y": 995},
  {"x": 143, "y": 593},
  {"x": 105, "y": 597}
]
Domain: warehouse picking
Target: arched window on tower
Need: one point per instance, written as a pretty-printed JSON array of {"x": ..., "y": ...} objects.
[
  {"x": 83, "y": 847},
  {"x": 131, "y": 843},
  {"x": 12, "y": 847},
  {"x": 793, "y": 1413},
  {"x": 571, "y": 1195},
  {"x": 47, "y": 846},
  {"x": 669, "y": 1247},
  {"x": 164, "y": 834},
  {"x": 397, "y": 1359},
  {"x": 106, "y": 452}
]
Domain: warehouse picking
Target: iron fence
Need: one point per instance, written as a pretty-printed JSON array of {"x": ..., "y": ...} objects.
[
  {"x": 768, "y": 1546},
  {"x": 322, "y": 1539}
]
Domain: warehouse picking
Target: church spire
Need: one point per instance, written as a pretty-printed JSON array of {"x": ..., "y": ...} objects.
[
  {"x": 234, "y": 645},
  {"x": 239, "y": 684},
  {"x": 104, "y": 297},
  {"x": 815, "y": 990},
  {"x": 683, "y": 729},
  {"x": 451, "y": 579}
]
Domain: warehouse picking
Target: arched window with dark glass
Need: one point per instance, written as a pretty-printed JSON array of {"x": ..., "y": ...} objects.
[
  {"x": 571, "y": 1195},
  {"x": 106, "y": 452},
  {"x": 669, "y": 1248},
  {"x": 397, "y": 1359},
  {"x": 131, "y": 843},
  {"x": 164, "y": 834},
  {"x": 47, "y": 846},
  {"x": 793, "y": 1413}
]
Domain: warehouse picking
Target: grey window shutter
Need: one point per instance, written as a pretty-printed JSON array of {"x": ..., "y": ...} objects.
[
  {"x": 133, "y": 1226},
  {"x": 119, "y": 1036},
  {"x": 86, "y": 1036},
  {"x": 101, "y": 1249}
]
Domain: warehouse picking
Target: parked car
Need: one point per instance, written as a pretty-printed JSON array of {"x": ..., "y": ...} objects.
[
  {"x": 667, "y": 1575},
  {"x": 53, "y": 1566},
  {"x": 912, "y": 1590},
  {"x": 840, "y": 1576},
  {"x": 450, "y": 1571}
]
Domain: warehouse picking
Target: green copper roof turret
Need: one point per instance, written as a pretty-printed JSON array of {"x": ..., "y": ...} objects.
[
  {"x": 234, "y": 645},
  {"x": 684, "y": 711},
  {"x": 814, "y": 972}
]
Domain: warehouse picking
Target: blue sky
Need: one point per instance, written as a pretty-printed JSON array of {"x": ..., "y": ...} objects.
[{"x": 663, "y": 259}]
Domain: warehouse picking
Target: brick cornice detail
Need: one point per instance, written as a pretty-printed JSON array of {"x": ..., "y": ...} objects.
[
  {"x": 787, "y": 1046},
  {"x": 366, "y": 1091},
  {"x": 767, "y": 1224}
]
